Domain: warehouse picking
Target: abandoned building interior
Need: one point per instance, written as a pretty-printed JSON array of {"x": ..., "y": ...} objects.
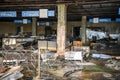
[{"x": 59, "y": 39}]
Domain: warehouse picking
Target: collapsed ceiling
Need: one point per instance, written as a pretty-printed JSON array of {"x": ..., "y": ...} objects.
[{"x": 75, "y": 8}]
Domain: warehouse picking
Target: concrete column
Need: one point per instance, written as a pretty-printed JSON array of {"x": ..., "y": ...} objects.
[
  {"x": 84, "y": 24},
  {"x": 21, "y": 29},
  {"x": 34, "y": 24},
  {"x": 61, "y": 29}
]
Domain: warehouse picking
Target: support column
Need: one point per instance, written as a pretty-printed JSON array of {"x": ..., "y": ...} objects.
[
  {"x": 34, "y": 24},
  {"x": 22, "y": 29},
  {"x": 61, "y": 29},
  {"x": 84, "y": 24}
]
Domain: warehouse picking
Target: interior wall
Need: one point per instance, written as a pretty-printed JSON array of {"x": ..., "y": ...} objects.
[
  {"x": 7, "y": 27},
  {"x": 10, "y": 27},
  {"x": 26, "y": 27},
  {"x": 112, "y": 27},
  {"x": 40, "y": 30}
]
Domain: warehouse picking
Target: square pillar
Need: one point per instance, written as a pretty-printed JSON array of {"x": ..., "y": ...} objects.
[
  {"x": 84, "y": 24},
  {"x": 34, "y": 26},
  {"x": 61, "y": 29}
]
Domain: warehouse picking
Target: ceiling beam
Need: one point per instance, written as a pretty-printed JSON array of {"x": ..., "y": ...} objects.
[{"x": 53, "y": 3}]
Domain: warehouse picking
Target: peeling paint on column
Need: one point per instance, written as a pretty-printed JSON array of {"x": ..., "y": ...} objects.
[{"x": 61, "y": 29}]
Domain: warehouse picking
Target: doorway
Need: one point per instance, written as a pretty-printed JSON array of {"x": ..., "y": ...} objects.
[
  {"x": 18, "y": 29},
  {"x": 76, "y": 32},
  {"x": 48, "y": 31}
]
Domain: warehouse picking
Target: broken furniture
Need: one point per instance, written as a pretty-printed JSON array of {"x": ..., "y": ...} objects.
[
  {"x": 72, "y": 55},
  {"x": 79, "y": 53},
  {"x": 77, "y": 44},
  {"x": 14, "y": 53},
  {"x": 44, "y": 45}
]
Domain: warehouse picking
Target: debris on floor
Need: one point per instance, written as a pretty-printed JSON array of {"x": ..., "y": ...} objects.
[
  {"x": 101, "y": 56},
  {"x": 78, "y": 64},
  {"x": 113, "y": 64},
  {"x": 12, "y": 74}
]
